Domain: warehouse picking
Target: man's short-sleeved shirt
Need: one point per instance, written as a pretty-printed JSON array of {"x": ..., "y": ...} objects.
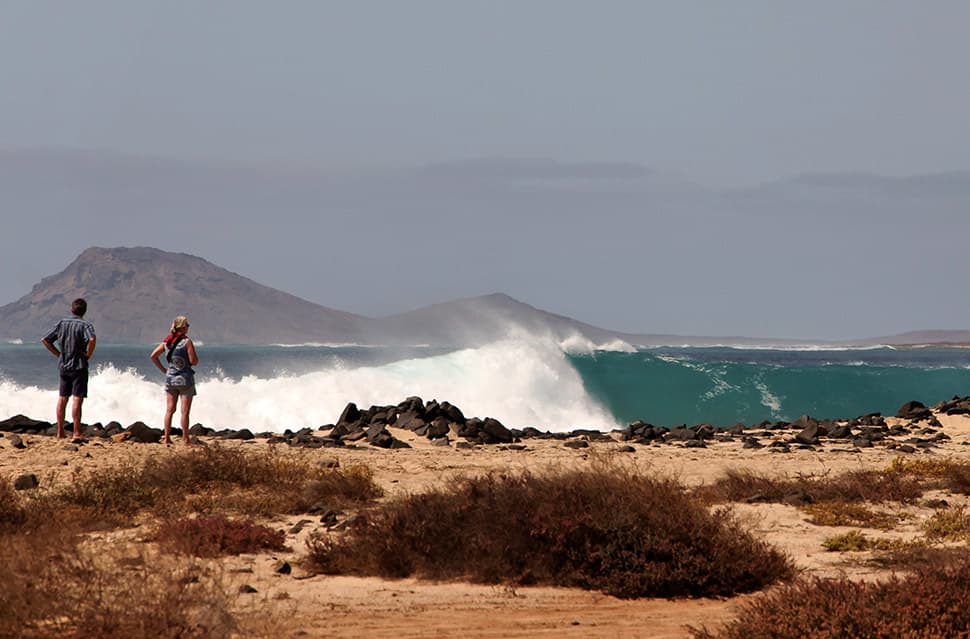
[{"x": 73, "y": 333}]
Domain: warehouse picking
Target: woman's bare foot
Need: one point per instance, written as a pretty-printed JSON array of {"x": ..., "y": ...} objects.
[{"x": 168, "y": 441}]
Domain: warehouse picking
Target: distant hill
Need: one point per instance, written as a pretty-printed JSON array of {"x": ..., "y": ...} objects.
[
  {"x": 480, "y": 319},
  {"x": 133, "y": 294},
  {"x": 922, "y": 338}
]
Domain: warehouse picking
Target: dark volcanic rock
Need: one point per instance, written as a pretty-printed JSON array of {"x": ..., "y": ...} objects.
[
  {"x": 841, "y": 432},
  {"x": 809, "y": 434},
  {"x": 140, "y": 432},
  {"x": 914, "y": 411},
  {"x": 440, "y": 427},
  {"x": 410, "y": 420},
  {"x": 493, "y": 431},
  {"x": 349, "y": 415},
  {"x": 24, "y": 424},
  {"x": 680, "y": 433},
  {"x": 451, "y": 412},
  {"x": 956, "y": 406},
  {"x": 26, "y": 482}
]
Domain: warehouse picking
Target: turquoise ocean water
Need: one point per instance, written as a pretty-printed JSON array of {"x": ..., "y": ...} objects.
[{"x": 523, "y": 382}]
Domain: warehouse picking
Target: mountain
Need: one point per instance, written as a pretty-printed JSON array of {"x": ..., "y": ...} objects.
[
  {"x": 133, "y": 294},
  {"x": 475, "y": 320},
  {"x": 797, "y": 253}
]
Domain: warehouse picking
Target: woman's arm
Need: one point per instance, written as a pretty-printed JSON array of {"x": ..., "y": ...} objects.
[
  {"x": 155, "y": 353},
  {"x": 193, "y": 356}
]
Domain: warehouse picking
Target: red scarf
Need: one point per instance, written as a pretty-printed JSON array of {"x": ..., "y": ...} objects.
[{"x": 173, "y": 338}]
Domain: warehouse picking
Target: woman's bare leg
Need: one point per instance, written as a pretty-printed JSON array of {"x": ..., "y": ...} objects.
[
  {"x": 170, "y": 399},
  {"x": 186, "y": 407}
]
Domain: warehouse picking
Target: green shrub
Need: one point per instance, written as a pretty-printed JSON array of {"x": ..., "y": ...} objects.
[
  {"x": 952, "y": 524},
  {"x": 855, "y": 541}
]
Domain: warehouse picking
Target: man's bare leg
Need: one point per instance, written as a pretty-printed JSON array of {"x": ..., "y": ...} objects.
[
  {"x": 61, "y": 410},
  {"x": 76, "y": 415}
]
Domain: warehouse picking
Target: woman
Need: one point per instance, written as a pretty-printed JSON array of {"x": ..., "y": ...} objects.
[{"x": 179, "y": 376}]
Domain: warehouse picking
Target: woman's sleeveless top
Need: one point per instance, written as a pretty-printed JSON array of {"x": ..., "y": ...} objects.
[{"x": 180, "y": 373}]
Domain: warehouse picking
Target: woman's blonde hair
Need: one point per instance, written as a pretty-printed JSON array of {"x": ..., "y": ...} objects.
[{"x": 180, "y": 323}]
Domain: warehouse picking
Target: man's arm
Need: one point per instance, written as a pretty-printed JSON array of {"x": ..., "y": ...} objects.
[
  {"x": 91, "y": 344},
  {"x": 51, "y": 347}
]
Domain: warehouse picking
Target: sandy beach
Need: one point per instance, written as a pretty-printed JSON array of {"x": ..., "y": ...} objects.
[{"x": 306, "y": 605}]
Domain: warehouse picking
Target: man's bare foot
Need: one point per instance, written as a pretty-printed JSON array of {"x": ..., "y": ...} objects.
[{"x": 168, "y": 441}]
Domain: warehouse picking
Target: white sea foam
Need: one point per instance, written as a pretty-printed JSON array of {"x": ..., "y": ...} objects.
[
  {"x": 331, "y": 345},
  {"x": 805, "y": 348},
  {"x": 769, "y": 400},
  {"x": 14, "y": 341},
  {"x": 579, "y": 345},
  {"x": 521, "y": 383},
  {"x": 714, "y": 373}
]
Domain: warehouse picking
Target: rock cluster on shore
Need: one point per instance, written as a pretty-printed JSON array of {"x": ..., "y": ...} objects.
[{"x": 444, "y": 424}]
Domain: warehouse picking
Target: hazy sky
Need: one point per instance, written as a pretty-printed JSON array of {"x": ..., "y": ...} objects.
[{"x": 723, "y": 94}]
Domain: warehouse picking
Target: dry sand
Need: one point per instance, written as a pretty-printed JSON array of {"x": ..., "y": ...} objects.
[{"x": 327, "y": 606}]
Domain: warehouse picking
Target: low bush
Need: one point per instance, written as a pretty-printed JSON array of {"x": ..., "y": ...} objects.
[
  {"x": 12, "y": 512},
  {"x": 853, "y": 486},
  {"x": 54, "y": 585},
  {"x": 919, "y": 555},
  {"x": 929, "y": 604},
  {"x": 944, "y": 473},
  {"x": 609, "y": 529},
  {"x": 856, "y": 541},
  {"x": 204, "y": 480},
  {"x": 840, "y": 513},
  {"x": 217, "y": 535},
  {"x": 949, "y": 524},
  {"x": 336, "y": 488}
]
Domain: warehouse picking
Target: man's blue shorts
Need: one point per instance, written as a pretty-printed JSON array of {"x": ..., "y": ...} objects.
[{"x": 74, "y": 383}]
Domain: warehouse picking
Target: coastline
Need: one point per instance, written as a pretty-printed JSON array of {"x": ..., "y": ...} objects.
[{"x": 342, "y": 606}]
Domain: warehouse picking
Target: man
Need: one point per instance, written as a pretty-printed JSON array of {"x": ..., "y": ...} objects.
[{"x": 77, "y": 341}]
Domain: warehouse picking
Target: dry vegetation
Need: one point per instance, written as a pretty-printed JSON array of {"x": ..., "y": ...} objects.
[
  {"x": 56, "y": 581},
  {"x": 927, "y": 603},
  {"x": 217, "y": 535},
  {"x": 625, "y": 534},
  {"x": 892, "y": 485},
  {"x": 604, "y": 528}
]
